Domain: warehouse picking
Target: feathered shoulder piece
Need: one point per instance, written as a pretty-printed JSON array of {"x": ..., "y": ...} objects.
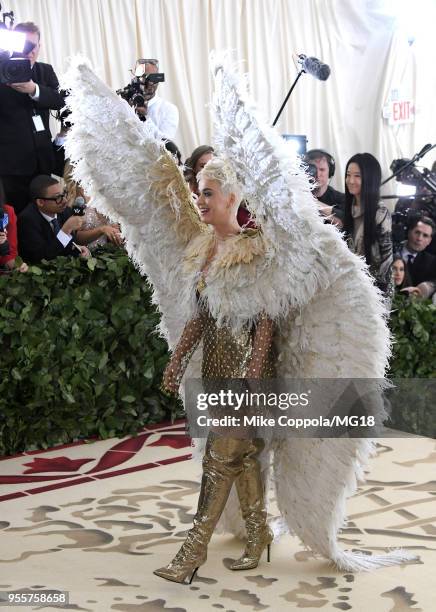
[{"x": 242, "y": 249}]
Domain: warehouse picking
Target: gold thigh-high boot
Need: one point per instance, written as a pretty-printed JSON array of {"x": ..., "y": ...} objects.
[
  {"x": 251, "y": 495},
  {"x": 222, "y": 463}
]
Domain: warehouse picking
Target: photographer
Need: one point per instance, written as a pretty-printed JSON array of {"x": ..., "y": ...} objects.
[
  {"x": 25, "y": 139},
  {"x": 163, "y": 114},
  {"x": 46, "y": 227},
  {"x": 8, "y": 237}
]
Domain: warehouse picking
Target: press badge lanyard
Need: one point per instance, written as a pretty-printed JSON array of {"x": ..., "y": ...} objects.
[{"x": 37, "y": 122}]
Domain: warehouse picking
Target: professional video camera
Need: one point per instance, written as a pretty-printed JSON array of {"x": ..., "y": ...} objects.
[
  {"x": 407, "y": 173},
  {"x": 421, "y": 204},
  {"x": 13, "y": 49},
  {"x": 134, "y": 91}
]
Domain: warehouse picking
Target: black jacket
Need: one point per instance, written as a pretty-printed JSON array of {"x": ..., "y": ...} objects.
[
  {"x": 334, "y": 198},
  {"x": 23, "y": 151},
  {"x": 423, "y": 268},
  {"x": 36, "y": 239}
]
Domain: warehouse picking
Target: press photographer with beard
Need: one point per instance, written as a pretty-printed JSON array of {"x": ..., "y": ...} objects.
[
  {"x": 25, "y": 139},
  {"x": 163, "y": 114}
]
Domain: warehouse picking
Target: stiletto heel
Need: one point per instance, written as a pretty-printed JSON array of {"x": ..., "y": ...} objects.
[
  {"x": 222, "y": 463},
  {"x": 193, "y": 575},
  {"x": 251, "y": 495},
  {"x": 268, "y": 553}
]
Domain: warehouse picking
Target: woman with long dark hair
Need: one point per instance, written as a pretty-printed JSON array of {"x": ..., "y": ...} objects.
[{"x": 367, "y": 224}]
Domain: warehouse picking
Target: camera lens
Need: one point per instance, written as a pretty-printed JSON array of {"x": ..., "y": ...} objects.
[{"x": 138, "y": 100}]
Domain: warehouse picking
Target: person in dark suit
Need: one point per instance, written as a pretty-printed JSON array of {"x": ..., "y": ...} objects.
[
  {"x": 25, "y": 139},
  {"x": 420, "y": 265},
  {"x": 46, "y": 226}
]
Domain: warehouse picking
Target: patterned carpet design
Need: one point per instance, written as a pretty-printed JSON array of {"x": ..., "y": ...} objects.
[{"x": 95, "y": 519}]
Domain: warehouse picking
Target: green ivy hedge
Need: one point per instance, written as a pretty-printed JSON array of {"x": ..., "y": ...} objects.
[
  {"x": 80, "y": 356},
  {"x": 79, "y": 353},
  {"x": 413, "y": 324}
]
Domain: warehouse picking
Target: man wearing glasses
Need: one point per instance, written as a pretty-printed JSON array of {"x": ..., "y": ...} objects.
[
  {"x": 163, "y": 114},
  {"x": 46, "y": 227}
]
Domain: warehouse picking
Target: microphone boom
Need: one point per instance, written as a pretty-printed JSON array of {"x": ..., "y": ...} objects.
[{"x": 313, "y": 66}]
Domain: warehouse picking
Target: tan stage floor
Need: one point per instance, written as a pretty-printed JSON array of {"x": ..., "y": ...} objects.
[{"x": 96, "y": 519}]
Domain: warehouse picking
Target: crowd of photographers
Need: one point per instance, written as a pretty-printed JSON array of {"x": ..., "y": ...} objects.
[{"x": 43, "y": 213}]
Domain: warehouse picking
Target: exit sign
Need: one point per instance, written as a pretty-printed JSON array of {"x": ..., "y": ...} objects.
[{"x": 398, "y": 111}]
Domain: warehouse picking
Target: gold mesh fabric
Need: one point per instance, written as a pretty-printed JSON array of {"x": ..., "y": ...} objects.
[{"x": 246, "y": 354}]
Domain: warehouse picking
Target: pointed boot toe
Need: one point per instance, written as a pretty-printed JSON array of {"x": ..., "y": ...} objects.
[{"x": 182, "y": 576}]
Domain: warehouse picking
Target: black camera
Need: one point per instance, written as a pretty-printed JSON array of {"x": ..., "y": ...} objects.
[
  {"x": 138, "y": 100},
  {"x": 423, "y": 203},
  {"x": 14, "y": 70},
  {"x": 14, "y": 67},
  {"x": 133, "y": 91},
  {"x": 132, "y": 88},
  {"x": 407, "y": 173},
  {"x": 153, "y": 77},
  {"x": 4, "y": 220}
]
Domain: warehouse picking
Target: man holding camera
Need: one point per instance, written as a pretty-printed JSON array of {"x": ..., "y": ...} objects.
[
  {"x": 46, "y": 227},
  {"x": 163, "y": 114},
  {"x": 25, "y": 139}
]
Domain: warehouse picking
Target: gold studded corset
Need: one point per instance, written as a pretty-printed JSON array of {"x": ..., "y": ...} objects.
[{"x": 228, "y": 354}]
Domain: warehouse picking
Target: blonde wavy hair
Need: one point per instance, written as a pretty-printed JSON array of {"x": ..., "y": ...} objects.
[{"x": 220, "y": 170}]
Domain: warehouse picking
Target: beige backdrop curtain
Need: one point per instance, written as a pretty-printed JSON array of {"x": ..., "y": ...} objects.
[{"x": 368, "y": 56}]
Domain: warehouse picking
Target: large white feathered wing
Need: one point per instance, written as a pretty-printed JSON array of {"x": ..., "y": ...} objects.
[
  {"x": 133, "y": 180},
  {"x": 335, "y": 321}
]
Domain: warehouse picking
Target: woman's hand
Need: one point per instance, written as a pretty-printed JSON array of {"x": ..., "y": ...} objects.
[
  {"x": 112, "y": 233},
  {"x": 170, "y": 382},
  {"x": 412, "y": 291}
]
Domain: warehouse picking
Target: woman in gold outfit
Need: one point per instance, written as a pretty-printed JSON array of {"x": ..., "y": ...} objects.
[
  {"x": 226, "y": 355},
  {"x": 231, "y": 289}
]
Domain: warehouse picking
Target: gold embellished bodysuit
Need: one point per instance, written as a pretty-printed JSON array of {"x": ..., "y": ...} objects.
[{"x": 248, "y": 353}]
